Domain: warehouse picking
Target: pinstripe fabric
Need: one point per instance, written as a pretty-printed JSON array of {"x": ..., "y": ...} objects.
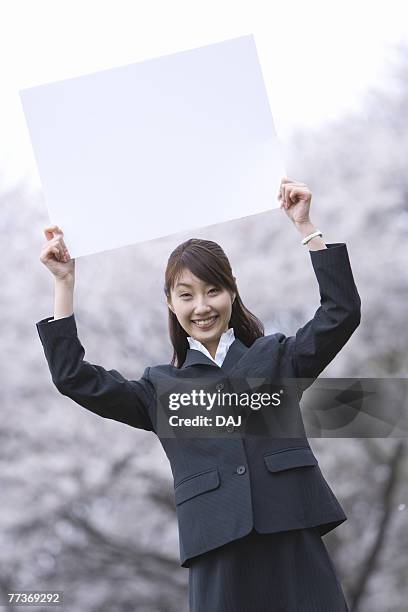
[
  {"x": 289, "y": 571},
  {"x": 226, "y": 486}
]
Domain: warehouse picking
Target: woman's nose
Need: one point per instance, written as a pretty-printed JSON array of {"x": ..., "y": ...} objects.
[{"x": 201, "y": 307}]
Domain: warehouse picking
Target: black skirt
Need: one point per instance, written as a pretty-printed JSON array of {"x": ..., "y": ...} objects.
[{"x": 288, "y": 571}]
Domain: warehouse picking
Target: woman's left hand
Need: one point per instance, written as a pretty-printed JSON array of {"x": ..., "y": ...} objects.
[{"x": 295, "y": 199}]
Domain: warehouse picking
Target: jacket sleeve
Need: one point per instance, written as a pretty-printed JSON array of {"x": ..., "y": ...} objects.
[
  {"x": 317, "y": 343},
  {"x": 104, "y": 392}
]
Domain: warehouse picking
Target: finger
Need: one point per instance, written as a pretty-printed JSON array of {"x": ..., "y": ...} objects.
[
  {"x": 286, "y": 179},
  {"x": 62, "y": 249},
  {"x": 60, "y": 243},
  {"x": 51, "y": 253},
  {"x": 279, "y": 195},
  {"x": 54, "y": 250},
  {"x": 51, "y": 230},
  {"x": 66, "y": 252},
  {"x": 293, "y": 193},
  {"x": 283, "y": 195},
  {"x": 286, "y": 190},
  {"x": 291, "y": 189},
  {"x": 62, "y": 255},
  {"x": 302, "y": 192},
  {"x": 286, "y": 186}
]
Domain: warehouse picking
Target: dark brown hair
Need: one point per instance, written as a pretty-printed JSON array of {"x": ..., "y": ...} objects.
[{"x": 206, "y": 260}]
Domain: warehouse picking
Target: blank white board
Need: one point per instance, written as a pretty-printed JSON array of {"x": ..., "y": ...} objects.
[{"x": 145, "y": 150}]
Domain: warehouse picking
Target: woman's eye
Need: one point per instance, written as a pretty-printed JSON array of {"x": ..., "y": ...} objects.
[{"x": 182, "y": 295}]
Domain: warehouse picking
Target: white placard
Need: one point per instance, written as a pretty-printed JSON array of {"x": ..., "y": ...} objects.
[{"x": 149, "y": 149}]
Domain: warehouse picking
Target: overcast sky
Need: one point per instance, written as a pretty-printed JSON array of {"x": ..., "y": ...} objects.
[{"x": 317, "y": 57}]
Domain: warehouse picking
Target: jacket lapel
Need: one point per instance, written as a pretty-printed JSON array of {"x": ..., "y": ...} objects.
[
  {"x": 234, "y": 354},
  {"x": 195, "y": 357}
]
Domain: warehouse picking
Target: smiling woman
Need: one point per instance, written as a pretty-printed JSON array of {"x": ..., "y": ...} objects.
[
  {"x": 251, "y": 509},
  {"x": 203, "y": 299},
  {"x": 206, "y": 308}
]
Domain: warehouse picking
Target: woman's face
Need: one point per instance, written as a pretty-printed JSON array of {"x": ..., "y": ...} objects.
[{"x": 203, "y": 310}]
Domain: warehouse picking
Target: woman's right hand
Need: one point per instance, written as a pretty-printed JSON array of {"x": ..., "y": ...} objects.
[{"x": 55, "y": 256}]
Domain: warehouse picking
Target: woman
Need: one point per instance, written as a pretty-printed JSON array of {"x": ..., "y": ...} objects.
[{"x": 251, "y": 509}]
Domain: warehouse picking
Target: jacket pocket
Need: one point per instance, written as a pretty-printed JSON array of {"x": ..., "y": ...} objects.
[
  {"x": 289, "y": 458},
  {"x": 196, "y": 484}
]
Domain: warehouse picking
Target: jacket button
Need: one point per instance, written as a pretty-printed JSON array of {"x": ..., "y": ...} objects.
[
  {"x": 219, "y": 386},
  {"x": 230, "y": 428},
  {"x": 241, "y": 469}
]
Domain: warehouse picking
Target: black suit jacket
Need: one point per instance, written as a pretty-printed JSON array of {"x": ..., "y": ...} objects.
[{"x": 226, "y": 485}]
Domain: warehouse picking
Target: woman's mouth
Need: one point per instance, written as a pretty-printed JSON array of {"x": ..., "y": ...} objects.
[{"x": 205, "y": 323}]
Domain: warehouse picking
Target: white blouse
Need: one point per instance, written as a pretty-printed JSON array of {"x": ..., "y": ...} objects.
[{"x": 227, "y": 338}]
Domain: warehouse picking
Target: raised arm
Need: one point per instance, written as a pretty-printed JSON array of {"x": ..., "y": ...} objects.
[
  {"x": 104, "y": 392},
  {"x": 317, "y": 343}
]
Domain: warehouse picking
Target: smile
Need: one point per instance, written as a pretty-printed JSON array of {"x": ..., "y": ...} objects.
[{"x": 205, "y": 323}]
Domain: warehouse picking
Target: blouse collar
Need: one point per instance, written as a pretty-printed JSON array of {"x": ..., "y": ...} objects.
[{"x": 226, "y": 339}]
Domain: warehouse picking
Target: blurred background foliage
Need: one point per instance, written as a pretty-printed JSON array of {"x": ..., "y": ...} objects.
[{"x": 87, "y": 503}]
